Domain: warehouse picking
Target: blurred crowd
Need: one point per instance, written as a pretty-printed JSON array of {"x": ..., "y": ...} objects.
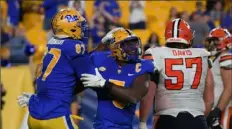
[{"x": 16, "y": 49}]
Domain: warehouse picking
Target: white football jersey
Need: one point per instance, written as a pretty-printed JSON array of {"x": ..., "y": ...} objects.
[
  {"x": 222, "y": 60},
  {"x": 181, "y": 81}
]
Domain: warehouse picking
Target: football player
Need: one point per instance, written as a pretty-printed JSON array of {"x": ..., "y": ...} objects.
[
  {"x": 128, "y": 77},
  {"x": 219, "y": 42},
  {"x": 184, "y": 93},
  {"x": 66, "y": 59}
]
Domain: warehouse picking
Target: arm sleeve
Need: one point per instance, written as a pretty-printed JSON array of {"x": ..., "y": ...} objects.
[{"x": 226, "y": 61}]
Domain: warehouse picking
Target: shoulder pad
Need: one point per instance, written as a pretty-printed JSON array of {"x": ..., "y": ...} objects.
[
  {"x": 149, "y": 66},
  {"x": 148, "y": 54},
  {"x": 98, "y": 57},
  {"x": 203, "y": 52},
  {"x": 226, "y": 60},
  {"x": 151, "y": 53},
  {"x": 73, "y": 48},
  {"x": 154, "y": 55}
]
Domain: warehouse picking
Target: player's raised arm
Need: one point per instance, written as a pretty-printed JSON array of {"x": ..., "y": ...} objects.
[{"x": 106, "y": 41}]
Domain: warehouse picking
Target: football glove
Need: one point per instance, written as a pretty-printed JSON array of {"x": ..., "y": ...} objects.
[
  {"x": 107, "y": 39},
  {"x": 90, "y": 80},
  {"x": 142, "y": 125},
  {"x": 214, "y": 118},
  {"x": 23, "y": 99}
]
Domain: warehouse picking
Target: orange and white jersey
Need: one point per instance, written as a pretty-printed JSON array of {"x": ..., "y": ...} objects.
[
  {"x": 223, "y": 60},
  {"x": 181, "y": 81}
]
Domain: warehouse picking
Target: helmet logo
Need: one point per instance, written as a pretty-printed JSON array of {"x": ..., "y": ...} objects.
[{"x": 71, "y": 18}]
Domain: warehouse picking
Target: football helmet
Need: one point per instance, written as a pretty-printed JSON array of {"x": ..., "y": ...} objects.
[
  {"x": 69, "y": 23},
  {"x": 125, "y": 45},
  {"x": 218, "y": 40},
  {"x": 179, "y": 31}
]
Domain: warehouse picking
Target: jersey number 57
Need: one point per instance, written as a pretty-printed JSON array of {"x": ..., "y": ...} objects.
[{"x": 189, "y": 62}]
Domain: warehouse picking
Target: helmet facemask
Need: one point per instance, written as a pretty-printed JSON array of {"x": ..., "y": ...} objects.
[
  {"x": 130, "y": 49},
  {"x": 212, "y": 44}
]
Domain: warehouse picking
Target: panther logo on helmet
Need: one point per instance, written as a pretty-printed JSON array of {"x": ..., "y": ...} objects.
[{"x": 69, "y": 23}]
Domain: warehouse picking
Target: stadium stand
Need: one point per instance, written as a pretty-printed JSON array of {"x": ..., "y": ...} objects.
[{"x": 17, "y": 79}]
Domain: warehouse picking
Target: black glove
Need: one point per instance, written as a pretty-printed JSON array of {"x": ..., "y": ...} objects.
[{"x": 214, "y": 118}]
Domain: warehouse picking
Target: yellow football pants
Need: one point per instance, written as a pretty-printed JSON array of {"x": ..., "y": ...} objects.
[{"x": 64, "y": 122}]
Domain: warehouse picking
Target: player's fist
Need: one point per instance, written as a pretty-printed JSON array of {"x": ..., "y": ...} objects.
[
  {"x": 108, "y": 39},
  {"x": 23, "y": 99},
  {"x": 214, "y": 118},
  {"x": 90, "y": 80},
  {"x": 142, "y": 125}
]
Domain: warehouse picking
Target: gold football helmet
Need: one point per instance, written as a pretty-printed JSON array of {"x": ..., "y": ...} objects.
[
  {"x": 125, "y": 45},
  {"x": 69, "y": 23}
]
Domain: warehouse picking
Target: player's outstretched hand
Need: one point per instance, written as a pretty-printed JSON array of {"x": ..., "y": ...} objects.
[
  {"x": 107, "y": 39},
  {"x": 24, "y": 99},
  {"x": 90, "y": 80},
  {"x": 143, "y": 125}
]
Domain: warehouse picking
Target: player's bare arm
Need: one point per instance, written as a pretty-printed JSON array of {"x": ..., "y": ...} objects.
[
  {"x": 132, "y": 94},
  {"x": 101, "y": 47},
  {"x": 208, "y": 93},
  {"x": 226, "y": 75},
  {"x": 146, "y": 105}
]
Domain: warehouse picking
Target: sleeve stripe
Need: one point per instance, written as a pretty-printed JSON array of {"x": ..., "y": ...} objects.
[
  {"x": 228, "y": 57},
  {"x": 149, "y": 57},
  {"x": 147, "y": 54}
]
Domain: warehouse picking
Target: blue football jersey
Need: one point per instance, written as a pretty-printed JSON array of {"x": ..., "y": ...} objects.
[
  {"x": 111, "y": 113},
  {"x": 63, "y": 64}
]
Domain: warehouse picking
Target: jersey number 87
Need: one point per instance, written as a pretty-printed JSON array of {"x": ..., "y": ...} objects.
[{"x": 80, "y": 49}]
